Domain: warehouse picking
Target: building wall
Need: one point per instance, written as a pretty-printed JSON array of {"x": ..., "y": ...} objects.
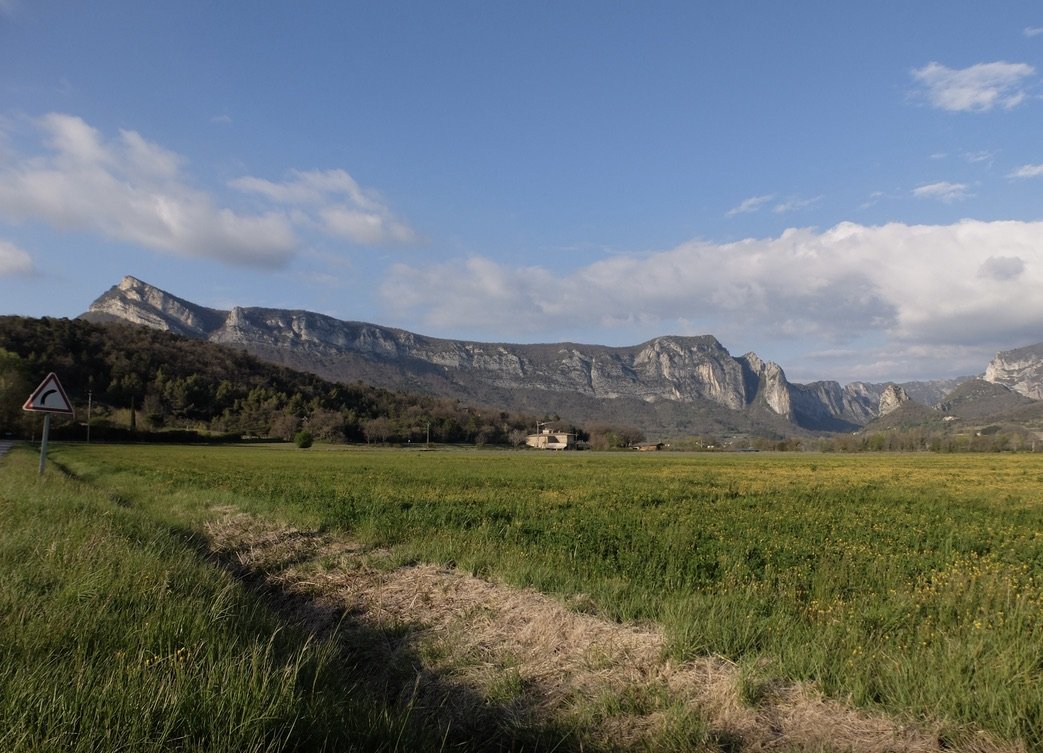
[{"x": 550, "y": 440}]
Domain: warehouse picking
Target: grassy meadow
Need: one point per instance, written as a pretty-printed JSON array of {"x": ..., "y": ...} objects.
[
  {"x": 116, "y": 634},
  {"x": 911, "y": 583}
]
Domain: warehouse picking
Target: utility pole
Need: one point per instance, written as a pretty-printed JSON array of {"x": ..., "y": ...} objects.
[{"x": 90, "y": 400}]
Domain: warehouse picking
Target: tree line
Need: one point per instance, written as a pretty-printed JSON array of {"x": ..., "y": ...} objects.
[
  {"x": 992, "y": 438},
  {"x": 145, "y": 382}
]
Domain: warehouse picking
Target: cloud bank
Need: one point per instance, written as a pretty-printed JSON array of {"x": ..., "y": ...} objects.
[
  {"x": 917, "y": 289},
  {"x": 132, "y": 190}
]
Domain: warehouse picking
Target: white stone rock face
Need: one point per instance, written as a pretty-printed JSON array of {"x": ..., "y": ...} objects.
[
  {"x": 892, "y": 399},
  {"x": 1021, "y": 370}
]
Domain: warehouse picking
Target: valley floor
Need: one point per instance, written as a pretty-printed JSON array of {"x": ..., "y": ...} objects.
[{"x": 226, "y": 599}]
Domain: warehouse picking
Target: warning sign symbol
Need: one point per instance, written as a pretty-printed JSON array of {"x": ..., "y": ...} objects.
[{"x": 49, "y": 397}]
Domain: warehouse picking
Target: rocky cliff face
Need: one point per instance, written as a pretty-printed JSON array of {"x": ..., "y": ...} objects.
[
  {"x": 139, "y": 303},
  {"x": 768, "y": 380},
  {"x": 689, "y": 371},
  {"x": 1020, "y": 370},
  {"x": 892, "y": 399}
]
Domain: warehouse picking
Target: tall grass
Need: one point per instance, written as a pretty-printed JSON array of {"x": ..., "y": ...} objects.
[
  {"x": 117, "y": 634},
  {"x": 908, "y": 582}
]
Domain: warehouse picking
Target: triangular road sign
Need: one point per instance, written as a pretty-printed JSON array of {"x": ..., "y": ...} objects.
[{"x": 49, "y": 397}]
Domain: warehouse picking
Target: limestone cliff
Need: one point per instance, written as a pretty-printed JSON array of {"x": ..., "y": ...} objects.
[
  {"x": 684, "y": 371},
  {"x": 139, "y": 303},
  {"x": 1021, "y": 370},
  {"x": 892, "y": 399}
]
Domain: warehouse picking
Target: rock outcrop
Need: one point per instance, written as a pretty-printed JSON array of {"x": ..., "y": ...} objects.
[
  {"x": 892, "y": 399},
  {"x": 1020, "y": 370}
]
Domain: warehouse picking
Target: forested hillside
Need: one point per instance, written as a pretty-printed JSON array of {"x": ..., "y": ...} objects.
[{"x": 145, "y": 380}]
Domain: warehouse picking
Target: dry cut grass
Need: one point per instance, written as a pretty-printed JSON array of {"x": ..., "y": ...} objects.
[{"x": 483, "y": 658}]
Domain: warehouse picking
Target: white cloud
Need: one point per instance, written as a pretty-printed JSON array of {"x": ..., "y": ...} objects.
[
  {"x": 13, "y": 260},
  {"x": 913, "y": 287},
  {"x": 752, "y": 204},
  {"x": 1027, "y": 171},
  {"x": 333, "y": 202},
  {"x": 978, "y": 88},
  {"x": 873, "y": 200},
  {"x": 984, "y": 155},
  {"x": 795, "y": 204},
  {"x": 1033, "y": 31},
  {"x": 132, "y": 190},
  {"x": 942, "y": 191}
]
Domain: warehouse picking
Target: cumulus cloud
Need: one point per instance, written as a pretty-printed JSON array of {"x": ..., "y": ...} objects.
[
  {"x": 13, "y": 260},
  {"x": 942, "y": 191},
  {"x": 1027, "y": 171},
  {"x": 752, "y": 204},
  {"x": 910, "y": 286},
  {"x": 333, "y": 202},
  {"x": 978, "y": 88},
  {"x": 132, "y": 190}
]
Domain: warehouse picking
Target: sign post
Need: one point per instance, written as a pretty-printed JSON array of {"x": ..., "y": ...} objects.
[{"x": 48, "y": 398}]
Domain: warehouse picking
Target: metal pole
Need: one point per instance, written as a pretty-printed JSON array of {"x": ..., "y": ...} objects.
[
  {"x": 43, "y": 441},
  {"x": 90, "y": 400}
]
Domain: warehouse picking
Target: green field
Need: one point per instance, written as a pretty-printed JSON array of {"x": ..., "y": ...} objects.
[{"x": 911, "y": 583}]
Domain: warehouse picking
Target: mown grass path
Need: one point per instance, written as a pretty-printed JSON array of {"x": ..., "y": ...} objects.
[{"x": 498, "y": 662}]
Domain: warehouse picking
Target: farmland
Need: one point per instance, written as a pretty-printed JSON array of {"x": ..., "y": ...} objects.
[{"x": 910, "y": 583}]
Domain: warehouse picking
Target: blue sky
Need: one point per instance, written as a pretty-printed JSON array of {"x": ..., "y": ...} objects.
[{"x": 850, "y": 190}]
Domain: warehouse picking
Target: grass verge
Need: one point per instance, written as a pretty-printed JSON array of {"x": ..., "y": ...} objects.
[{"x": 117, "y": 634}]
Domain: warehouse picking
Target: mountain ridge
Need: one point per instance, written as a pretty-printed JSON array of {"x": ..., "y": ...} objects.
[{"x": 668, "y": 382}]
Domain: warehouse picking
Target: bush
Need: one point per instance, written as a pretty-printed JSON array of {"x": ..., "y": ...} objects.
[{"x": 303, "y": 439}]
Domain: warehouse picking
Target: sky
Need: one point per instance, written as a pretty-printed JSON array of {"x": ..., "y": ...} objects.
[{"x": 851, "y": 190}]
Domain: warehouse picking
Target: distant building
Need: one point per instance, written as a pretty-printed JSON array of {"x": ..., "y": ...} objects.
[
  {"x": 551, "y": 440},
  {"x": 651, "y": 447}
]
